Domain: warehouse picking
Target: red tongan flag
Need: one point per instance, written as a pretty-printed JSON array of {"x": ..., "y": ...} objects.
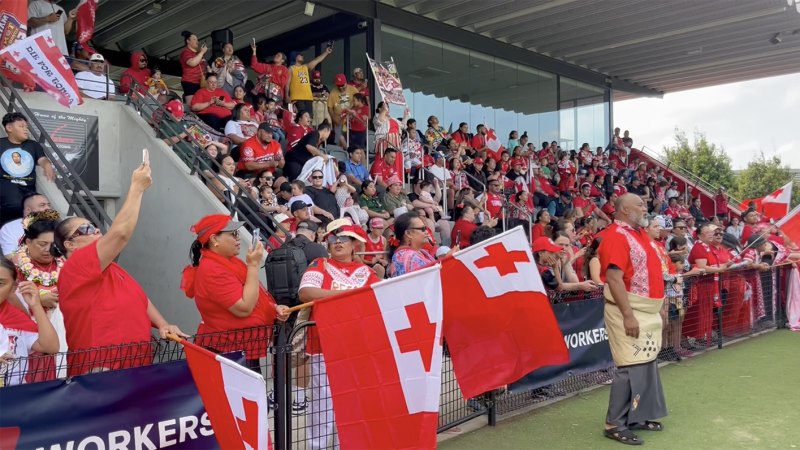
[
  {"x": 383, "y": 356},
  {"x": 498, "y": 322},
  {"x": 85, "y": 23},
  {"x": 790, "y": 225},
  {"x": 235, "y": 399},
  {"x": 13, "y": 27}
]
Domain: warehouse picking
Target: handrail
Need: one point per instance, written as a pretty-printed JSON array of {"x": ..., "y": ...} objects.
[
  {"x": 76, "y": 193},
  {"x": 84, "y": 65},
  {"x": 147, "y": 105}
]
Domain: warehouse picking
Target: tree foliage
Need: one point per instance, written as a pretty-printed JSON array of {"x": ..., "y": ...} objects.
[
  {"x": 700, "y": 158},
  {"x": 763, "y": 176}
]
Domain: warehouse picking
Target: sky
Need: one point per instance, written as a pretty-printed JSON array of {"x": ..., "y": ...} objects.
[{"x": 742, "y": 118}]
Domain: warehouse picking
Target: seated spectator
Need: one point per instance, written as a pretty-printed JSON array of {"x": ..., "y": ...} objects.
[
  {"x": 230, "y": 70},
  {"x": 587, "y": 204},
  {"x": 477, "y": 177},
  {"x": 226, "y": 186},
  {"x": 138, "y": 71},
  {"x": 260, "y": 152},
  {"x": 12, "y": 232},
  {"x": 542, "y": 225},
  {"x": 94, "y": 82},
  {"x": 372, "y": 203},
  {"x": 396, "y": 201},
  {"x": 238, "y": 97},
  {"x": 696, "y": 211},
  {"x": 284, "y": 193},
  {"x": 426, "y": 200},
  {"x": 355, "y": 172},
  {"x": 494, "y": 200},
  {"x": 321, "y": 196},
  {"x": 563, "y": 204},
  {"x": 521, "y": 210},
  {"x": 301, "y": 211},
  {"x": 279, "y": 236},
  {"x": 269, "y": 201},
  {"x": 20, "y": 156},
  {"x": 464, "y": 226},
  {"x": 240, "y": 128},
  {"x": 384, "y": 169},
  {"x": 309, "y": 146},
  {"x": 408, "y": 253},
  {"x": 299, "y": 194},
  {"x": 375, "y": 249},
  {"x": 212, "y": 104}
]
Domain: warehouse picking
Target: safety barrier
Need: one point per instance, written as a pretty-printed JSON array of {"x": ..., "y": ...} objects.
[{"x": 747, "y": 302}]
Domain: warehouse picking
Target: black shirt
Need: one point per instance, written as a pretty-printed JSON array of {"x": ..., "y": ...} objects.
[
  {"x": 299, "y": 153},
  {"x": 325, "y": 199},
  {"x": 18, "y": 162},
  {"x": 312, "y": 250}
]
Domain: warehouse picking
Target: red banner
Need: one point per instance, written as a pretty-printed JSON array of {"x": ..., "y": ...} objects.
[
  {"x": 13, "y": 27},
  {"x": 85, "y": 23}
]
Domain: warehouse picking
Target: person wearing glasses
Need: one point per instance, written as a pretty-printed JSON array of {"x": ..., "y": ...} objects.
[
  {"x": 323, "y": 278},
  {"x": 233, "y": 305},
  {"x": 408, "y": 253},
  {"x": 137, "y": 71},
  {"x": 103, "y": 305}
]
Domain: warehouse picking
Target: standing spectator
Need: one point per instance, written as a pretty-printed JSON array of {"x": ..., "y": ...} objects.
[
  {"x": 567, "y": 174},
  {"x": 260, "y": 152},
  {"x": 321, "y": 95},
  {"x": 267, "y": 111},
  {"x": 19, "y": 157},
  {"x": 359, "y": 81},
  {"x": 229, "y": 69},
  {"x": 735, "y": 228},
  {"x": 13, "y": 231},
  {"x": 358, "y": 116},
  {"x": 309, "y": 146},
  {"x": 338, "y": 103},
  {"x": 212, "y": 104},
  {"x": 46, "y": 15},
  {"x": 354, "y": 169},
  {"x": 94, "y": 82},
  {"x": 632, "y": 269},
  {"x": 272, "y": 78},
  {"x": 704, "y": 295},
  {"x": 388, "y": 132},
  {"x": 750, "y": 219},
  {"x": 138, "y": 71},
  {"x": 102, "y": 304},
  {"x": 323, "y": 278},
  {"x": 227, "y": 292},
  {"x": 193, "y": 66},
  {"x": 721, "y": 203},
  {"x": 298, "y": 90},
  {"x": 513, "y": 140},
  {"x": 435, "y": 134}
]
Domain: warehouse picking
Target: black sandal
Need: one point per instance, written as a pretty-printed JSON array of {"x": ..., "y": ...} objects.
[
  {"x": 648, "y": 425},
  {"x": 623, "y": 435}
]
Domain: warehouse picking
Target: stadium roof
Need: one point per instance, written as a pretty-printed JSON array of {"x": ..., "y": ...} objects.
[{"x": 644, "y": 47}]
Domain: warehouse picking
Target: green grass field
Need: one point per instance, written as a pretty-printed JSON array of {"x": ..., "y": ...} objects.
[{"x": 746, "y": 396}]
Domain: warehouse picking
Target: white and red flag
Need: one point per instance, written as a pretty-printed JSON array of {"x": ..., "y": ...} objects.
[
  {"x": 235, "y": 399},
  {"x": 85, "y": 23},
  {"x": 499, "y": 325},
  {"x": 39, "y": 56},
  {"x": 776, "y": 205},
  {"x": 493, "y": 144},
  {"x": 383, "y": 355},
  {"x": 13, "y": 27},
  {"x": 790, "y": 225}
]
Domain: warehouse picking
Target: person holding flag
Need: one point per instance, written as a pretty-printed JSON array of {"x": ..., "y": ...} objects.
[
  {"x": 634, "y": 295},
  {"x": 323, "y": 278}
]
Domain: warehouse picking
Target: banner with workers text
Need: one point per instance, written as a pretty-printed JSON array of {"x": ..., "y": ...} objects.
[
  {"x": 148, "y": 407},
  {"x": 584, "y": 331},
  {"x": 387, "y": 80}
]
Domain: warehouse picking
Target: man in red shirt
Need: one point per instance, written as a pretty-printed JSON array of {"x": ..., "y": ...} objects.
[
  {"x": 259, "y": 153},
  {"x": 479, "y": 142},
  {"x": 463, "y": 227},
  {"x": 494, "y": 199},
  {"x": 750, "y": 219},
  {"x": 634, "y": 299},
  {"x": 359, "y": 119},
  {"x": 383, "y": 169},
  {"x": 587, "y": 204},
  {"x": 212, "y": 104}
]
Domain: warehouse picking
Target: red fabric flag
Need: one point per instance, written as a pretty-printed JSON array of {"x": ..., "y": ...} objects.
[
  {"x": 85, "y": 23},
  {"x": 776, "y": 205},
  {"x": 790, "y": 225},
  {"x": 383, "y": 353},
  {"x": 499, "y": 325},
  {"x": 745, "y": 205},
  {"x": 13, "y": 27},
  {"x": 235, "y": 399},
  {"x": 39, "y": 56}
]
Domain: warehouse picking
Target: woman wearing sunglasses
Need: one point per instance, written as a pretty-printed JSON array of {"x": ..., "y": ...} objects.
[
  {"x": 407, "y": 247},
  {"x": 227, "y": 291},
  {"x": 323, "y": 278},
  {"x": 103, "y": 305}
]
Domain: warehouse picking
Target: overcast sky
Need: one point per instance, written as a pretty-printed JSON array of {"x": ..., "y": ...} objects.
[{"x": 743, "y": 118}]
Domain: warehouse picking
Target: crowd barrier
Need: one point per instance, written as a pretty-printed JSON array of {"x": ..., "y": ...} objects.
[{"x": 126, "y": 380}]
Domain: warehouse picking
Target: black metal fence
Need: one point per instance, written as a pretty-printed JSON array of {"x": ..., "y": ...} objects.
[{"x": 710, "y": 312}]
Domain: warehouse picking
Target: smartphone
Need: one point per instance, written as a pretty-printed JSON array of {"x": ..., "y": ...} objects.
[
  {"x": 330, "y": 44},
  {"x": 458, "y": 239},
  {"x": 221, "y": 98},
  {"x": 145, "y": 157},
  {"x": 59, "y": 13},
  {"x": 256, "y": 237}
]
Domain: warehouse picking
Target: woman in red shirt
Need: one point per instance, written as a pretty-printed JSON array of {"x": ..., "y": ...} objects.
[
  {"x": 542, "y": 223},
  {"x": 704, "y": 294},
  {"x": 192, "y": 65},
  {"x": 234, "y": 307},
  {"x": 103, "y": 305}
]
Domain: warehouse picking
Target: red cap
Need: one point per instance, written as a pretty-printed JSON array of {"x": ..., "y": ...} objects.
[
  {"x": 544, "y": 244},
  {"x": 175, "y": 107},
  {"x": 316, "y": 74},
  {"x": 341, "y": 80},
  {"x": 213, "y": 224},
  {"x": 477, "y": 160}
]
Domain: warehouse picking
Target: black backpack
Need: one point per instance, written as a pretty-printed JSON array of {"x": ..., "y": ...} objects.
[{"x": 284, "y": 268}]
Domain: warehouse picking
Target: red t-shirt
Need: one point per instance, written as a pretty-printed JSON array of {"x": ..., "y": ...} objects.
[
  {"x": 585, "y": 204},
  {"x": 632, "y": 252},
  {"x": 204, "y": 95},
  {"x": 380, "y": 168},
  {"x": 371, "y": 247},
  {"x": 252, "y": 150},
  {"x": 479, "y": 142},
  {"x": 359, "y": 124},
  {"x": 101, "y": 308},
  {"x": 703, "y": 251},
  {"x": 494, "y": 205},
  {"x": 462, "y": 138},
  {"x": 537, "y": 231},
  {"x": 190, "y": 74},
  {"x": 747, "y": 231},
  {"x": 608, "y": 208},
  {"x": 465, "y": 228}
]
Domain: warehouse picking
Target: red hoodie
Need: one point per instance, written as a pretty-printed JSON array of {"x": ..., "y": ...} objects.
[{"x": 140, "y": 75}]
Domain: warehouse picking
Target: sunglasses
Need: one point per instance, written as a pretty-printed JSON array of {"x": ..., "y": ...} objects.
[
  {"x": 422, "y": 228},
  {"x": 234, "y": 233},
  {"x": 317, "y": 177},
  {"x": 86, "y": 229},
  {"x": 333, "y": 239},
  {"x": 142, "y": 59}
]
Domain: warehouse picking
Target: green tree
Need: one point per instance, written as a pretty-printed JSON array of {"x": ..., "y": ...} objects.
[
  {"x": 763, "y": 176},
  {"x": 701, "y": 160}
]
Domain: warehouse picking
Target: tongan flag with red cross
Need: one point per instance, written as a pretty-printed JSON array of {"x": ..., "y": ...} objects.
[
  {"x": 498, "y": 322},
  {"x": 39, "y": 56},
  {"x": 493, "y": 144},
  {"x": 235, "y": 399},
  {"x": 383, "y": 355}
]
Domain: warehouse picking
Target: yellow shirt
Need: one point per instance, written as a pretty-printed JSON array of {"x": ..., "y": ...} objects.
[
  {"x": 299, "y": 84},
  {"x": 339, "y": 100}
]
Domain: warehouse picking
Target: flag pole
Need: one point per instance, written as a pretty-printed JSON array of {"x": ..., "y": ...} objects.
[
  {"x": 299, "y": 307},
  {"x": 175, "y": 337}
]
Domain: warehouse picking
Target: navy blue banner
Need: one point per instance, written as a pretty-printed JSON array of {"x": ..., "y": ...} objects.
[
  {"x": 139, "y": 409},
  {"x": 584, "y": 332}
]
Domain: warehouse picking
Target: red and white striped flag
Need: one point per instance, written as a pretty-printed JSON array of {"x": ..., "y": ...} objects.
[
  {"x": 235, "y": 399},
  {"x": 85, "y": 23},
  {"x": 39, "y": 56}
]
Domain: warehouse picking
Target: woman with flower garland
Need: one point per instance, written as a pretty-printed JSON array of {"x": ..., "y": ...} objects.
[{"x": 35, "y": 264}]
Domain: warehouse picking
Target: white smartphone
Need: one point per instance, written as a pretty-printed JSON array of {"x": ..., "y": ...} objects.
[
  {"x": 256, "y": 237},
  {"x": 145, "y": 157}
]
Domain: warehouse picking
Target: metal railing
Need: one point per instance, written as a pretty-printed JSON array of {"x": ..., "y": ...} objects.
[
  {"x": 80, "y": 199},
  {"x": 95, "y": 90}
]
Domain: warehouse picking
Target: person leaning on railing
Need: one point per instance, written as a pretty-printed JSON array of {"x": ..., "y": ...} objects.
[
  {"x": 103, "y": 305},
  {"x": 551, "y": 260}
]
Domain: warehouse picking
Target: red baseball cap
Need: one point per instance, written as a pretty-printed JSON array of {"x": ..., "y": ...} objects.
[
  {"x": 341, "y": 80},
  {"x": 477, "y": 160},
  {"x": 316, "y": 74},
  {"x": 175, "y": 107},
  {"x": 544, "y": 244}
]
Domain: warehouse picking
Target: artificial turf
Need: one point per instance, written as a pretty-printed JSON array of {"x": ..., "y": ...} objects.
[{"x": 746, "y": 396}]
